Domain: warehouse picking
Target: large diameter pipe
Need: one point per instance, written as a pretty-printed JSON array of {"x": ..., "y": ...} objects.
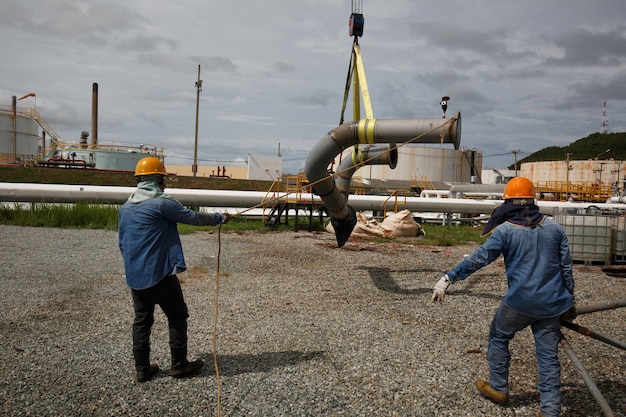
[
  {"x": 62, "y": 193},
  {"x": 367, "y": 131},
  {"x": 370, "y": 131},
  {"x": 440, "y": 130},
  {"x": 363, "y": 157}
]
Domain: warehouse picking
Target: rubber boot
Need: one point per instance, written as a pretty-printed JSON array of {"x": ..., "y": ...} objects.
[
  {"x": 181, "y": 367},
  {"x": 145, "y": 370}
]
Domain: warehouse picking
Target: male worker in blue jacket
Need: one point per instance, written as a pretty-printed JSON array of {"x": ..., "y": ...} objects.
[
  {"x": 153, "y": 255},
  {"x": 540, "y": 289}
]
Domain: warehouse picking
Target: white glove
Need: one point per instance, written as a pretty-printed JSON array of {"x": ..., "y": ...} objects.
[{"x": 441, "y": 286}]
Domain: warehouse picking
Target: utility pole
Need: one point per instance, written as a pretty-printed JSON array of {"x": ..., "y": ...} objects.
[
  {"x": 515, "y": 152},
  {"x": 567, "y": 176},
  {"x": 194, "y": 168}
]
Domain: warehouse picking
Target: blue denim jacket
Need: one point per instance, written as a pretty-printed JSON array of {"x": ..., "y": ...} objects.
[
  {"x": 149, "y": 240},
  {"x": 538, "y": 267}
]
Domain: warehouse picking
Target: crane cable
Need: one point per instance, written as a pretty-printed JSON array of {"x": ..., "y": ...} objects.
[{"x": 219, "y": 255}]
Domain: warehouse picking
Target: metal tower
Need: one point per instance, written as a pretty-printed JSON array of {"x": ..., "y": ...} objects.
[{"x": 604, "y": 127}]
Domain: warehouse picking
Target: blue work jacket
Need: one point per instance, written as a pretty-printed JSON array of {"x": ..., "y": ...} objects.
[
  {"x": 149, "y": 240},
  {"x": 538, "y": 267}
]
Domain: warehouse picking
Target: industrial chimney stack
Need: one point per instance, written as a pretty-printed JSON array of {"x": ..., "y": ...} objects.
[{"x": 94, "y": 116}]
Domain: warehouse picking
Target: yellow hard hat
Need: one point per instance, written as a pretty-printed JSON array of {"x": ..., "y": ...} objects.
[
  {"x": 150, "y": 166},
  {"x": 519, "y": 187}
]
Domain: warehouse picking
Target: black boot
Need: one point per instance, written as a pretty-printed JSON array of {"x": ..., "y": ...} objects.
[
  {"x": 181, "y": 367},
  {"x": 145, "y": 370}
]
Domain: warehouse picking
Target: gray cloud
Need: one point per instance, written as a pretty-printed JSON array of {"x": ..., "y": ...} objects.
[
  {"x": 591, "y": 93},
  {"x": 14, "y": 14},
  {"x": 442, "y": 79},
  {"x": 315, "y": 98},
  {"x": 283, "y": 67},
  {"x": 585, "y": 47},
  {"x": 485, "y": 43},
  {"x": 215, "y": 63},
  {"x": 74, "y": 20},
  {"x": 523, "y": 75},
  {"x": 143, "y": 43}
]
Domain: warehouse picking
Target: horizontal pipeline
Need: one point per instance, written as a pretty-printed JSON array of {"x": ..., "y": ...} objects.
[{"x": 62, "y": 193}]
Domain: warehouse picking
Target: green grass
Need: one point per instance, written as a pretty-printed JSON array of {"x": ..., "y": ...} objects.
[
  {"x": 80, "y": 215},
  {"x": 104, "y": 216},
  {"x": 439, "y": 235}
]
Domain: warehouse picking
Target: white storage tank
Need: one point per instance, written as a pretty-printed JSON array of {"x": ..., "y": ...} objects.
[
  {"x": 110, "y": 157},
  {"x": 429, "y": 163},
  {"x": 17, "y": 141}
]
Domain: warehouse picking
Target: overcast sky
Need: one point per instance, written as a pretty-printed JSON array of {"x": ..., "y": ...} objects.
[{"x": 523, "y": 74}]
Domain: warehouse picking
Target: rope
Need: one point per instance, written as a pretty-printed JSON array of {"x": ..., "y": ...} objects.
[
  {"x": 447, "y": 122},
  {"x": 217, "y": 292},
  {"x": 219, "y": 254}
]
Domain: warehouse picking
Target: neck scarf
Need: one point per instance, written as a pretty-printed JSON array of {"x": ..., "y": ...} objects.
[
  {"x": 146, "y": 190},
  {"x": 523, "y": 215}
]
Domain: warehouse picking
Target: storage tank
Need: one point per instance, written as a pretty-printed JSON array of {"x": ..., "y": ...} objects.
[
  {"x": 105, "y": 157},
  {"x": 429, "y": 163},
  {"x": 19, "y": 141},
  {"x": 599, "y": 171}
]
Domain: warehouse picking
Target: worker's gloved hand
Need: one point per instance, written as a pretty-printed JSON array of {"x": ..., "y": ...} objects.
[
  {"x": 441, "y": 286},
  {"x": 226, "y": 218}
]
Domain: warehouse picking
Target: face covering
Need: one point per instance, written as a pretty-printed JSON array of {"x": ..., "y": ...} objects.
[
  {"x": 523, "y": 215},
  {"x": 147, "y": 189}
]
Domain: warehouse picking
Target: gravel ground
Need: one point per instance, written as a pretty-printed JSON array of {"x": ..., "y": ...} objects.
[{"x": 304, "y": 329}]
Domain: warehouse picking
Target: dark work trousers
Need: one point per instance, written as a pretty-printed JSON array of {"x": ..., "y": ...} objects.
[{"x": 169, "y": 296}]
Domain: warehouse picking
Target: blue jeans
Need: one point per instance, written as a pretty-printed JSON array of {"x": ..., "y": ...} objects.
[{"x": 547, "y": 333}]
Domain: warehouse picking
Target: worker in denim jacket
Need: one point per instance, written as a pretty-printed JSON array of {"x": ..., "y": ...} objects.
[
  {"x": 540, "y": 289},
  {"x": 153, "y": 256}
]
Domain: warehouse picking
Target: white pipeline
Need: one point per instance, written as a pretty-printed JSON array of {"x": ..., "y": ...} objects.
[{"x": 57, "y": 193}]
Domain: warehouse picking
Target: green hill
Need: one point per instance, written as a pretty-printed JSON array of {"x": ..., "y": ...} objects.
[{"x": 585, "y": 148}]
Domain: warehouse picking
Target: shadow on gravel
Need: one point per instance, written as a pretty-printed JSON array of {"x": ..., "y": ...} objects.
[
  {"x": 580, "y": 402},
  {"x": 524, "y": 399},
  {"x": 230, "y": 365},
  {"x": 383, "y": 279}
]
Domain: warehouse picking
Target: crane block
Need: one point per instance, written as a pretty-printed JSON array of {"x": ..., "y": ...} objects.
[{"x": 357, "y": 21}]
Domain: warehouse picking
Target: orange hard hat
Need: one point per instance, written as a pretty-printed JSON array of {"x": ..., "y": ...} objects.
[
  {"x": 150, "y": 166},
  {"x": 519, "y": 187}
]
